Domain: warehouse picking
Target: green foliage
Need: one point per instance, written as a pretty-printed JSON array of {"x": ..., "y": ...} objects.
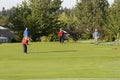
[
  {"x": 20, "y": 20},
  {"x": 45, "y": 39},
  {"x": 49, "y": 38},
  {"x": 92, "y": 14},
  {"x": 114, "y": 18},
  {"x": 40, "y": 17},
  {"x": 63, "y": 17},
  {"x": 85, "y": 36},
  {"x": 45, "y": 14},
  {"x": 3, "y": 19},
  {"x": 45, "y": 17},
  {"x": 69, "y": 19}
]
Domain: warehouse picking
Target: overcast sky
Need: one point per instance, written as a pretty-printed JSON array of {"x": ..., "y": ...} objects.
[{"x": 10, "y": 3}]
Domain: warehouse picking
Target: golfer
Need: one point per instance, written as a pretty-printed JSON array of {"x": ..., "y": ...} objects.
[{"x": 96, "y": 36}]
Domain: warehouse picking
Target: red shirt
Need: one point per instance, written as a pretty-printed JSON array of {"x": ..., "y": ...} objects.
[
  {"x": 24, "y": 41},
  {"x": 60, "y": 33}
]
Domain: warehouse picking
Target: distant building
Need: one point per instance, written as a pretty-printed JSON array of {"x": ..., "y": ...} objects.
[{"x": 6, "y": 35}]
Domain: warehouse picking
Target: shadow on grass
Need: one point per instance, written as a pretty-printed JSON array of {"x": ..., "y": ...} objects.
[{"x": 66, "y": 51}]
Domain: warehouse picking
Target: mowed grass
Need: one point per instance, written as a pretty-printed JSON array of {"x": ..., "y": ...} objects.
[{"x": 49, "y": 60}]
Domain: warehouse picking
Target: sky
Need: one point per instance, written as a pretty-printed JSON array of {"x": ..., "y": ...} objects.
[{"x": 10, "y": 3}]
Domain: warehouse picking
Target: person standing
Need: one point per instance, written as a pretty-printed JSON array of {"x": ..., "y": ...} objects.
[
  {"x": 24, "y": 43},
  {"x": 26, "y": 35},
  {"x": 61, "y": 34},
  {"x": 96, "y": 36}
]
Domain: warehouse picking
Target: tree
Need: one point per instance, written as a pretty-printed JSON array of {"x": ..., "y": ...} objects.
[
  {"x": 45, "y": 15},
  {"x": 114, "y": 19},
  {"x": 4, "y": 12},
  {"x": 69, "y": 19},
  {"x": 20, "y": 18},
  {"x": 4, "y": 17},
  {"x": 92, "y": 14}
]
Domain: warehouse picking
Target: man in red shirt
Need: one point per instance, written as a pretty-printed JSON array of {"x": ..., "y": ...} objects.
[{"x": 61, "y": 34}]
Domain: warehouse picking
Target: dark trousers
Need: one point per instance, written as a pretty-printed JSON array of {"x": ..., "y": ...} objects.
[
  {"x": 61, "y": 39},
  {"x": 25, "y": 48}
]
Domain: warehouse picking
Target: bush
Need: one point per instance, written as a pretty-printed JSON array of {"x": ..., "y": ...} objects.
[
  {"x": 45, "y": 39},
  {"x": 16, "y": 39},
  {"x": 85, "y": 36}
]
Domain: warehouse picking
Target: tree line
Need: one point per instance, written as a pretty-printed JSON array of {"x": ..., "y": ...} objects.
[{"x": 46, "y": 17}]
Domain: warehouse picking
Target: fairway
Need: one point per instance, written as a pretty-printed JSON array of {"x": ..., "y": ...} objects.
[{"x": 55, "y": 61}]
